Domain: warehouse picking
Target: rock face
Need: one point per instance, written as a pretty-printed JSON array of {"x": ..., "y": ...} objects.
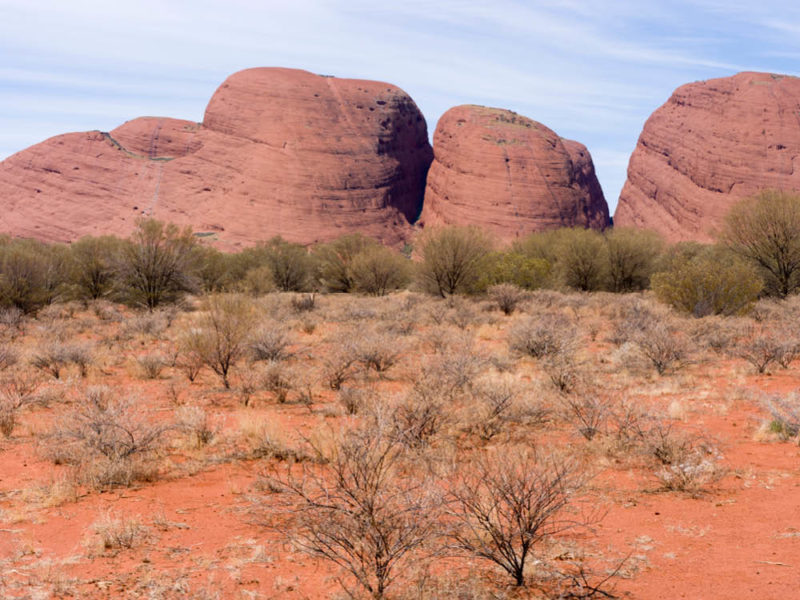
[
  {"x": 713, "y": 143},
  {"x": 279, "y": 152},
  {"x": 496, "y": 169}
]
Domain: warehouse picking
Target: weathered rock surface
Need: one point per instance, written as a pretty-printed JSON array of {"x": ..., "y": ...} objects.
[
  {"x": 496, "y": 169},
  {"x": 713, "y": 143},
  {"x": 280, "y": 152}
]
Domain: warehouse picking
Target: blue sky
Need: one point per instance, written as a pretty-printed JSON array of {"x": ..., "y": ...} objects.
[{"x": 591, "y": 70}]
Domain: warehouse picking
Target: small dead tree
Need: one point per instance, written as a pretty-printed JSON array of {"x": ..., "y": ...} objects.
[
  {"x": 505, "y": 504},
  {"x": 365, "y": 514}
]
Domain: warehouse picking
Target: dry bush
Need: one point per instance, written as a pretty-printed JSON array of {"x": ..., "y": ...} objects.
[
  {"x": 368, "y": 514},
  {"x": 194, "y": 420},
  {"x": 785, "y": 413},
  {"x": 760, "y": 348},
  {"x": 151, "y": 365},
  {"x": 564, "y": 370},
  {"x": 9, "y": 356},
  {"x": 505, "y": 504},
  {"x": 264, "y": 439},
  {"x": 16, "y": 393},
  {"x": 378, "y": 349},
  {"x": 270, "y": 342},
  {"x": 339, "y": 360},
  {"x": 493, "y": 405},
  {"x": 151, "y": 324},
  {"x": 221, "y": 336},
  {"x": 304, "y": 302},
  {"x": 719, "y": 334},
  {"x": 119, "y": 532},
  {"x": 418, "y": 417},
  {"x": 12, "y": 321},
  {"x": 694, "y": 473},
  {"x": 110, "y": 439},
  {"x": 189, "y": 361},
  {"x": 539, "y": 337},
  {"x": 589, "y": 413},
  {"x": 662, "y": 341},
  {"x": 355, "y": 400},
  {"x": 280, "y": 379},
  {"x": 55, "y": 356}
]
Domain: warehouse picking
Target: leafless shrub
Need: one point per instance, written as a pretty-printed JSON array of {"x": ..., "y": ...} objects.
[
  {"x": 563, "y": 369},
  {"x": 693, "y": 474},
  {"x": 8, "y": 356},
  {"x": 55, "y": 356},
  {"x": 718, "y": 333},
  {"x": 195, "y": 421},
  {"x": 280, "y": 379},
  {"x": 120, "y": 533},
  {"x": 662, "y": 342},
  {"x": 16, "y": 393},
  {"x": 151, "y": 324},
  {"x": 418, "y": 417},
  {"x": 547, "y": 335},
  {"x": 304, "y": 302},
  {"x": 379, "y": 350},
  {"x": 493, "y": 404},
  {"x": 338, "y": 362},
  {"x": 368, "y": 516},
  {"x": 507, "y": 296},
  {"x": 505, "y": 504},
  {"x": 270, "y": 342},
  {"x": 354, "y": 400},
  {"x": 109, "y": 438},
  {"x": 151, "y": 365},
  {"x": 588, "y": 413},
  {"x": 189, "y": 361},
  {"x": 760, "y": 349},
  {"x": 12, "y": 321},
  {"x": 785, "y": 413}
]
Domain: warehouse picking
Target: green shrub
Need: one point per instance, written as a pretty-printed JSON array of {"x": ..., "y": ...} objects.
[
  {"x": 517, "y": 269},
  {"x": 32, "y": 274},
  {"x": 632, "y": 258},
  {"x": 335, "y": 261},
  {"x": 706, "y": 281},
  {"x": 765, "y": 230},
  {"x": 377, "y": 270},
  {"x": 453, "y": 260},
  {"x": 92, "y": 266}
]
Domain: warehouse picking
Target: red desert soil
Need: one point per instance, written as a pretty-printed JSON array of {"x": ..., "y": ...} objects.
[
  {"x": 740, "y": 539},
  {"x": 510, "y": 175},
  {"x": 279, "y": 152},
  {"x": 711, "y": 144}
]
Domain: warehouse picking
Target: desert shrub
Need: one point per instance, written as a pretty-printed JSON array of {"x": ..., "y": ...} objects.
[
  {"x": 760, "y": 347},
  {"x": 221, "y": 333},
  {"x": 785, "y": 413},
  {"x": 32, "y": 274},
  {"x": 194, "y": 420},
  {"x": 377, "y": 271},
  {"x": 378, "y": 349},
  {"x": 55, "y": 356},
  {"x": 109, "y": 438},
  {"x": 516, "y": 269},
  {"x": 92, "y": 266},
  {"x": 589, "y": 413},
  {"x": 549, "y": 334},
  {"x": 12, "y": 321},
  {"x": 155, "y": 264},
  {"x": 632, "y": 258},
  {"x": 152, "y": 324},
  {"x": 151, "y": 365},
  {"x": 338, "y": 361},
  {"x": 366, "y": 514},
  {"x": 765, "y": 230},
  {"x": 214, "y": 269},
  {"x": 304, "y": 302},
  {"x": 258, "y": 281},
  {"x": 505, "y": 504},
  {"x": 9, "y": 356},
  {"x": 291, "y": 265},
  {"x": 120, "y": 533},
  {"x": 563, "y": 368},
  {"x": 507, "y": 296},
  {"x": 15, "y": 394},
  {"x": 453, "y": 259},
  {"x": 493, "y": 402},
  {"x": 704, "y": 281},
  {"x": 270, "y": 342},
  {"x": 693, "y": 474},
  {"x": 335, "y": 261},
  {"x": 661, "y": 340},
  {"x": 581, "y": 259},
  {"x": 279, "y": 379}
]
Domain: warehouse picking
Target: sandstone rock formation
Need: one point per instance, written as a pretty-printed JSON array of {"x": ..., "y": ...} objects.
[
  {"x": 496, "y": 169},
  {"x": 279, "y": 151},
  {"x": 713, "y": 143}
]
